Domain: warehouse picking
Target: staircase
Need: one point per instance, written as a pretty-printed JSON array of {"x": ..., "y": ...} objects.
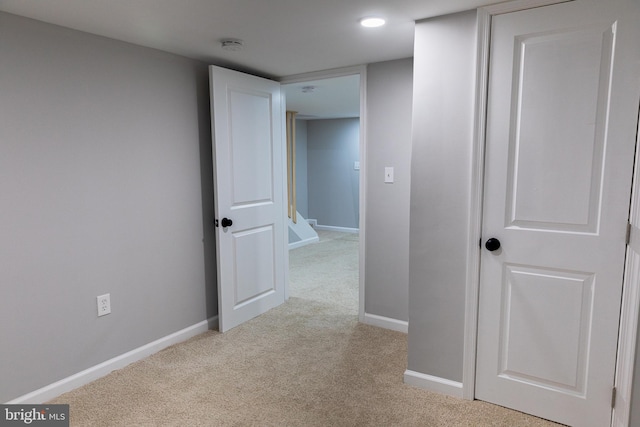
[{"x": 301, "y": 233}]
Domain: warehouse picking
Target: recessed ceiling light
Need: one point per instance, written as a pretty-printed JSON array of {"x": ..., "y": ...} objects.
[{"x": 372, "y": 22}]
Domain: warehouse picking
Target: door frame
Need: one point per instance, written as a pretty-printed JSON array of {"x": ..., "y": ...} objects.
[
  {"x": 360, "y": 70},
  {"x": 631, "y": 286},
  {"x": 630, "y": 306}
]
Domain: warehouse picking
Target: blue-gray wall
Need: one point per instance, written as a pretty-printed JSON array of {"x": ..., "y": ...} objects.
[
  {"x": 105, "y": 187},
  {"x": 332, "y": 148}
]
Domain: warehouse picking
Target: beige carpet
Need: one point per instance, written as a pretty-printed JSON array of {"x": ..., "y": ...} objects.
[
  {"x": 306, "y": 363},
  {"x": 327, "y": 271}
]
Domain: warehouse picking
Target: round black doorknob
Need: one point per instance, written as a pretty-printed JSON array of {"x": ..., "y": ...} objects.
[
  {"x": 492, "y": 244},
  {"x": 226, "y": 222}
]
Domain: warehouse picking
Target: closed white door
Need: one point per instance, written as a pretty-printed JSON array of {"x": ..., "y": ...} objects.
[
  {"x": 561, "y": 120},
  {"x": 248, "y": 158}
]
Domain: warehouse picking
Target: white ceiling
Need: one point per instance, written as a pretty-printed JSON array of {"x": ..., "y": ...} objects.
[
  {"x": 281, "y": 37},
  {"x": 338, "y": 97}
]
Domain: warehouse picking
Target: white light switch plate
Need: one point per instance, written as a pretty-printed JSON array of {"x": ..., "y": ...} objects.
[{"x": 388, "y": 174}]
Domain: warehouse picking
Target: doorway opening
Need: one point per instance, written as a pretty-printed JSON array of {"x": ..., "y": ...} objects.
[{"x": 326, "y": 264}]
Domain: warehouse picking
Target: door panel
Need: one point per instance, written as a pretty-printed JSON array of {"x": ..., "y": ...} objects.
[
  {"x": 569, "y": 73},
  {"x": 259, "y": 281},
  {"x": 249, "y": 190},
  {"x": 557, "y": 184},
  {"x": 533, "y": 348},
  {"x": 251, "y": 147}
]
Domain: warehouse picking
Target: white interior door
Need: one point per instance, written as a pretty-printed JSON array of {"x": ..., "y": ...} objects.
[
  {"x": 248, "y": 158},
  {"x": 562, "y": 110}
]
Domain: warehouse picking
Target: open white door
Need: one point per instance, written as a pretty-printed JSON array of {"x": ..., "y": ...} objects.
[
  {"x": 561, "y": 124},
  {"x": 246, "y": 120}
]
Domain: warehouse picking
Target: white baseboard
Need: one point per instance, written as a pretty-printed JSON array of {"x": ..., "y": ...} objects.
[
  {"x": 54, "y": 390},
  {"x": 341, "y": 229},
  {"x": 435, "y": 384},
  {"x": 386, "y": 322},
  {"x": 304, "y": 242},
  {"x": 213, "y": 323},
  {"x": 313, "y": 222}
]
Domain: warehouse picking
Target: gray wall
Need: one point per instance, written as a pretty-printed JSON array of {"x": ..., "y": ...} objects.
[
  {"x": 389, "y": 95},
  {"x": 105, "y": 182},
  {"x": 332, "y": 148},
  {"x": 302, "y": 190},
  {"x": 443, "y": 98}
]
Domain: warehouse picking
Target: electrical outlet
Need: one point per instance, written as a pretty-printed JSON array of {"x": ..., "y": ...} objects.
[{"x": 104, "y": 304}]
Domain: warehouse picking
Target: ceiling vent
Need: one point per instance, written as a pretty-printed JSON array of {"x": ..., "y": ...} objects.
[{"x": 232, "y": 45}]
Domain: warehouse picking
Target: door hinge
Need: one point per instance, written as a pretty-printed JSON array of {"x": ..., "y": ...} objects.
[
  {"x": 613, "y": 397},
  {"x": 627, "y": 238}
]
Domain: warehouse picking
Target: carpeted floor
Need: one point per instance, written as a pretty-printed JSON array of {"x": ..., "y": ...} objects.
[
  {"x": 306, "y": 363},
  {"x": 327, "y": 271}
]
